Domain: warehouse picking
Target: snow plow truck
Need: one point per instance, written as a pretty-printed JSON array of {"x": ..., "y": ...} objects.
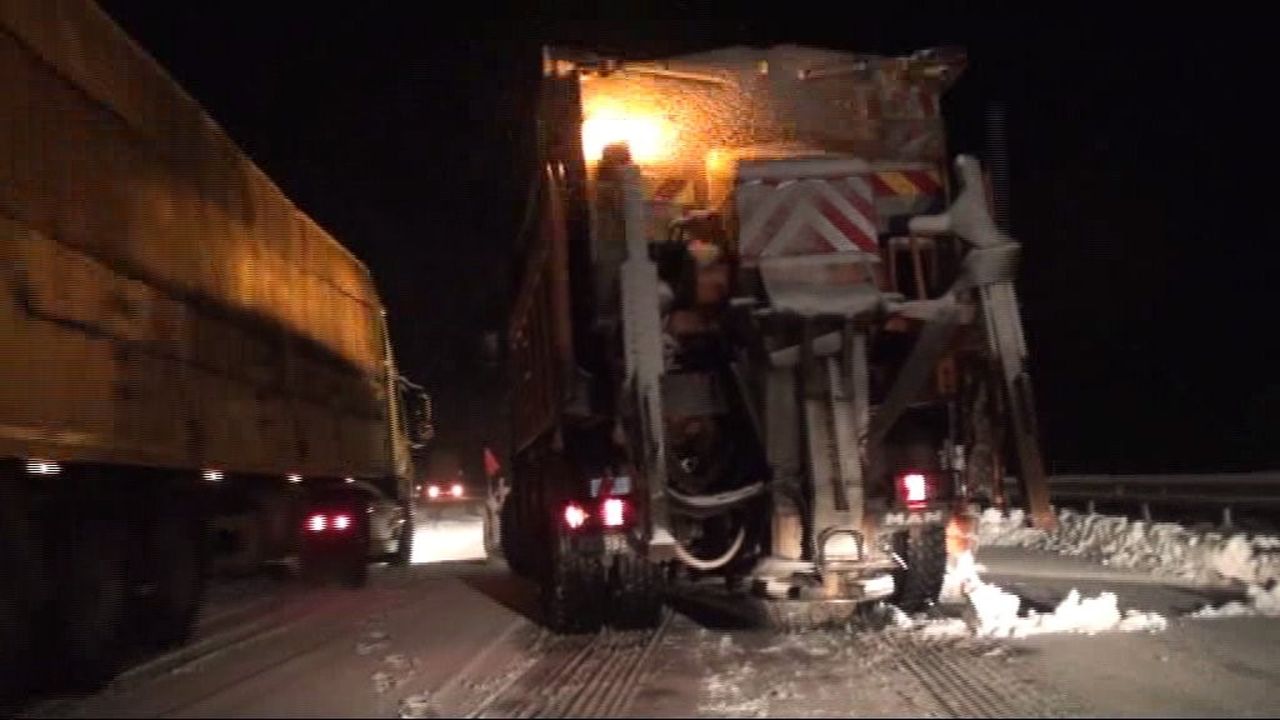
[{"x": 765, "y": 346}]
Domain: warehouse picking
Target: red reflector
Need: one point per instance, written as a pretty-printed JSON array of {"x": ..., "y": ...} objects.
[
  {"x": 341, "y": 522},
  {"x": 915, "y": 489},
  {"x": 575, "y": 516},
  {"x": 317, "y": 523},
  {"x": 614, "y": 512}
]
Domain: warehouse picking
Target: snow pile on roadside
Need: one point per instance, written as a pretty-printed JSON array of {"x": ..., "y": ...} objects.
[
  {"x": 1262, "y": 601},
  {"x": 993, "y": 612},
  {"x": 1165, "y": 549}
]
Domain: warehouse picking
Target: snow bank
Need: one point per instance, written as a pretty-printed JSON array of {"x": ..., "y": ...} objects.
[
  {"x": 1263, "y": 601},
  {"x": 993, "y": 612},
  {"x": 1164, "y": 549}
]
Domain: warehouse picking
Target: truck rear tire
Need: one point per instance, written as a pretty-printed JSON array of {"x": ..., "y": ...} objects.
[
  {"x": 356, "y": 573},
  {"x": 20, "y": 586},
  {"x": 635, "y": 593},
  {"x": 572, "y": 593},
  {"x": 507, "y": 539},
  {"x": 93, "y": 608},
  {"x": 492, "y": 533},
  {"x": 177, "y": 543},
  {"x": 924, "y": 550}
]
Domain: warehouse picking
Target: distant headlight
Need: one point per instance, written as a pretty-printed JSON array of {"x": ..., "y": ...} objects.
[
  {"x": 456, "y": 491},
  {"x": 433, "y": 492}
]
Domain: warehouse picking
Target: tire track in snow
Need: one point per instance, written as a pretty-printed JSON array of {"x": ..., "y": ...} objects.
[
  {"x": 597, "y": 676},
  {"x": 964, "y": 682}
]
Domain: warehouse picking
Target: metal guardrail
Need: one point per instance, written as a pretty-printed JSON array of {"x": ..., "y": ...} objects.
[{"x": 1226, "y": 492}]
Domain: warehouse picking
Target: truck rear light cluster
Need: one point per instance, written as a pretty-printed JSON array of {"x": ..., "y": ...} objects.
[
  {"x": 915, "y": 489},
  {"x": 321, "y": 522},
  {"x": 613, "y": 513},
  {"x": 574, "y": 516}
]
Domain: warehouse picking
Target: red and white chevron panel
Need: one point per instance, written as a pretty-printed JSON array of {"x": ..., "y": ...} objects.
[{"x": 805, "y": 216}]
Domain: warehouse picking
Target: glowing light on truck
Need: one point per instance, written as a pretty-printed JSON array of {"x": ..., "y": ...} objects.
[
  {"x": 574, "y": 516},
  {"x": 607, "y": 120},
  {"x": 614, "y": 512}
]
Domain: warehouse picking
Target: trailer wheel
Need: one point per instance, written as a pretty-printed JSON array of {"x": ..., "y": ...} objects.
[
  {"x": 572, "y": 592},
  {"x": 507, "y": 538},
  {"x": 635, "y": 593},
  {"x": 404, "y": 547},
  {"x": 177, "y": 544},
  {"x": 493, "y": 544},
  {"x": 93, "y": 611},
  {"x": 355, "y": 557},
  {"x": 924, "y": 550},
  {"x": 19, "y": 589}
]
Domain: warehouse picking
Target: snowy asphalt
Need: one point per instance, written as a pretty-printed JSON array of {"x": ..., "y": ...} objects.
[{"x": 455, "y": 635}]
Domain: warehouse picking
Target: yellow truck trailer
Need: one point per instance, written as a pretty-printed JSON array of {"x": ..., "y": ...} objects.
[{"x": 181, "y": 349}]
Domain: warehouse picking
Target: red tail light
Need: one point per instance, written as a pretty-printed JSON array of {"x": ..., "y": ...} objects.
[
  {"x": 320, "y": 522},
  {"x": 574, "y": 516},
  {"x": 914, "y": 489},
  {"x": 614, "y": 512}
]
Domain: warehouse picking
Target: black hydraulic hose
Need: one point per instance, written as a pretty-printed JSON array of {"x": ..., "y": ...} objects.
[{"x": 717, "y": 504}]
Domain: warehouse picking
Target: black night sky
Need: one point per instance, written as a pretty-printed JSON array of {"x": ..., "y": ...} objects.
[{"x": 1140, "y": 158}]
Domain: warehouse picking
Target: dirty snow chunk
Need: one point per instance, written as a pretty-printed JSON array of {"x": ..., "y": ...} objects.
[
  {"x": 1267, "y": 602},
  {"x": 995, "y": 529},
  {"x": 1135, "y": 621},
  {"x": 371, "y": 648},
  {"x": 961, "y": 577},
  {"x": 997, "y": 616},
  {"x": 900, "y": 618},
  {"x": 1262, "y": 601},
  {"x": 945, "y": 628},
  {"x": 397, "y": 661},
  {"x": 382, "y": 681},
  {"x": 994, "y": 611},
  {"x": 1235, "y": 608},
  {"x": 416, "y": 706}
]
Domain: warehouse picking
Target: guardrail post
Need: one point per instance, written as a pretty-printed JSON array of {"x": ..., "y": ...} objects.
[
  {"x": 1146, "y": 512},
  {"x": 1092, "y": 507},
  {"x": 1226, "y": 517}
]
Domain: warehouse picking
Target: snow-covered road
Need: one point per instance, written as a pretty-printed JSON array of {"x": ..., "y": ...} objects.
[{"x": 457, "y": 638}]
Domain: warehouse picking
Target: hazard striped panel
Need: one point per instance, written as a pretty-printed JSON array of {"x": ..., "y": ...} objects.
[
  {"x": 914, "y": 191},
  {"x": 805, "y": 216}
]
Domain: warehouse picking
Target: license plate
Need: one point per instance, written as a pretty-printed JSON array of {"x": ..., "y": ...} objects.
[
  {"x": 927, "y": 517},
  {"x": 621, "y": 486}
]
